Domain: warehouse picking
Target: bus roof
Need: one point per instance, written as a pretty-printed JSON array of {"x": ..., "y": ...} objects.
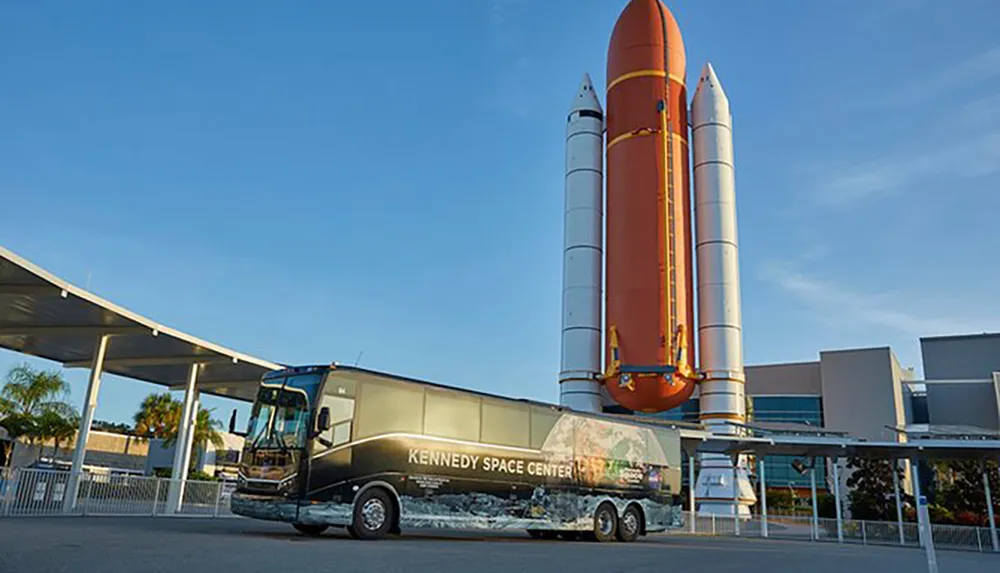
[{"x": 635, "y": 419}]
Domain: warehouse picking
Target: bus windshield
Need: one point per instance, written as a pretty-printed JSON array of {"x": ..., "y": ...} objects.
[{"x": 281, "y": 414}]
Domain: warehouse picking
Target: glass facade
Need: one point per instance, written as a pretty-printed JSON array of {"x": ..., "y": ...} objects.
[
  {"x": 788, "y": 409},
  {"x": 785, "y": 409}
]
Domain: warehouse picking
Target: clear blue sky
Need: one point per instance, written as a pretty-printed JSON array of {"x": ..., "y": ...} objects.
[{"x": 306, "y": 181}]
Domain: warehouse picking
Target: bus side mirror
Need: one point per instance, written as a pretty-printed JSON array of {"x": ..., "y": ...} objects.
[
  {"x": 232, "y": 425},
  {"x": 323, "y": 423}
]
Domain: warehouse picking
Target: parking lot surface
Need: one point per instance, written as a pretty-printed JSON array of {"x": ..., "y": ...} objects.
[{"x": 193, "y": 545}]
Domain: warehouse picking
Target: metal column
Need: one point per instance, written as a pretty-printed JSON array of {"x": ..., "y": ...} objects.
[
  {"x": 86, "y": 418},
  {"x": 179, "y": 471},
  {"x": 763, "y": 497},
  {"x": 899, "y": 504},
  {"x": 989, "y": 508},
  {"x": 736, "y": 496},
  {"x": 836, "y": 499},
  {"x": 691, "y": 482},
  {"x": 189, "y": 443},
  {"x": 923, "y": 520},
  {"x": 812, "y": 486}
]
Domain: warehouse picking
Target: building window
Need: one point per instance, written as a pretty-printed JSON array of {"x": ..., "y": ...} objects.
[
  {"x": 788, "y": 409},
  {"x": 780, "y": 473}
]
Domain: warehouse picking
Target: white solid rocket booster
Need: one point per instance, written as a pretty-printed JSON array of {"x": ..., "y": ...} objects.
[
  {"x": 583, "y": 253},
  {"x": 720, "y": 330}
]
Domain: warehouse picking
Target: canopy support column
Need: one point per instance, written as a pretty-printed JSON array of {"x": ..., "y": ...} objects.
[
  {"x": 86, "y": 419},
  {"x": 182, "y": 444},
  {"x": 899, "y": 504},
  {"x": 736, "y": 495},
  {"x": 691, "y": 482},
  {"x": 815, "y": 508},
  {"x": 763, "y": 496},
  {"x": 836, "y": 498},
  {"x": 989, "y": 508}
]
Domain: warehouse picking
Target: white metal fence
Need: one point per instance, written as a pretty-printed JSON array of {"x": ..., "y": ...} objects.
[
  {"x": 825, "y": 529},
  {"x": 32, "y": 492}
]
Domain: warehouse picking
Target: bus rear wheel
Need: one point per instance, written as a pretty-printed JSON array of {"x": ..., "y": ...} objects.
[
  {"x": 374, "y": 515},
  {"x": 310, "y": 530},
  {"x": 605, "y": 523},
  {"x": 629, "y": 525}
]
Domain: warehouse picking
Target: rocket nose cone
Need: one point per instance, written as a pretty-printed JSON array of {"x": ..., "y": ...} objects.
[
  {"x": 708, "y": 74},
  {"x": 710, "y": 103},
  {"x": 709, "y": 85},
  {"x": 586, "y": 97}
]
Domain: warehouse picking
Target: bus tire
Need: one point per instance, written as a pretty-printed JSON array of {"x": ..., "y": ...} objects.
[
  {"x": 374, "y": 515},
  {"x": 605, "y": 523},
  {"x": 310, "y": 530},
  {"x": 630, "y": 524}
]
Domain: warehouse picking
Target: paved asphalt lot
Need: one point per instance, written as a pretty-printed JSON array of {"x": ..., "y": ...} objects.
[{"x": 191, "y": 545}]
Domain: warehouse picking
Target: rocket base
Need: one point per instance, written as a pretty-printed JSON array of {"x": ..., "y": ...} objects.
[{"x": 714, "y": 487}]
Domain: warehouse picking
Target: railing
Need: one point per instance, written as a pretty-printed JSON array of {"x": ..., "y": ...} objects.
[
  {"x": 33, "y": 492},
  {"x": 854, "y": 531}
]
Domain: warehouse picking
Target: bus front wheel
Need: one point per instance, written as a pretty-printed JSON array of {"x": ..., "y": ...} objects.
[{"x": 374, "y": 515}]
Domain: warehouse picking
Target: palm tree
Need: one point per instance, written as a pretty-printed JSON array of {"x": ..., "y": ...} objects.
[
  {"x": 206, "y": 430},
  {"x": 32, "y": 392},
  {"x": 32, "y": 403},
  {"x": 158, "y": 416},
  {"x": 51, "y": 425}
]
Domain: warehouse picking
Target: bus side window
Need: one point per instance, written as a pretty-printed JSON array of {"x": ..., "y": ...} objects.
[{"x": 341, "y": 414}]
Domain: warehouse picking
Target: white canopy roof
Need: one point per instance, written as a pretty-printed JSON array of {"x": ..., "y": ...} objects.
[{"x": 45, "y": 316}]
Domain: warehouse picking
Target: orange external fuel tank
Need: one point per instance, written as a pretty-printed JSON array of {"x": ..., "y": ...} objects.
[{"x": 649, "y": 318}]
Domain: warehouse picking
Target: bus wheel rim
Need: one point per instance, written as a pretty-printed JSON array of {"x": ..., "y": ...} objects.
[
  {"x": 629, "y": 523},
  {"x": 373, "y": 514}
]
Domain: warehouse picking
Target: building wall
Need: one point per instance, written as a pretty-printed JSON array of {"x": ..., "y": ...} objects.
[
  {"x": 969, "y": 357},
  {"x": 108, "y": 442},
  {"x": 796, "y": 378},
  {"x": 972, "y": 403},
  {"x": 970, "y": 364},
  {"x": 862, "y": 392}
]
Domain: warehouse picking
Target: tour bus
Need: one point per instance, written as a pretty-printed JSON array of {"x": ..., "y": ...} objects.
[{"x": 372, "y": 452}]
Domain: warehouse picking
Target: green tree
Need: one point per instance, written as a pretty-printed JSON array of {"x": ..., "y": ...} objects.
[
  {"x": 20, "y": 426},
  {"x": 872, "y": 494},
  {"x": 33, "y": 405},
  {"x": 960, "y": 487},
  {"x": 780, "y": 499},
  {"x": 51, "y": 425},
  {"x": 33, "y": 392},
  {"x": 113, "y": 427},
  {"x": 159, "y": 417}
]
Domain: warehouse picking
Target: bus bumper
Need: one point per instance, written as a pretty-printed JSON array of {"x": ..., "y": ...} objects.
[{"x": 264, "y": 507}]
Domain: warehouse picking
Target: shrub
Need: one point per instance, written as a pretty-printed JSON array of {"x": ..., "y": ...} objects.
[
  {"x": 940, "y": 515},
  {"x": 826, "y": 505},
  {"x": 969, "y": 518}
]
